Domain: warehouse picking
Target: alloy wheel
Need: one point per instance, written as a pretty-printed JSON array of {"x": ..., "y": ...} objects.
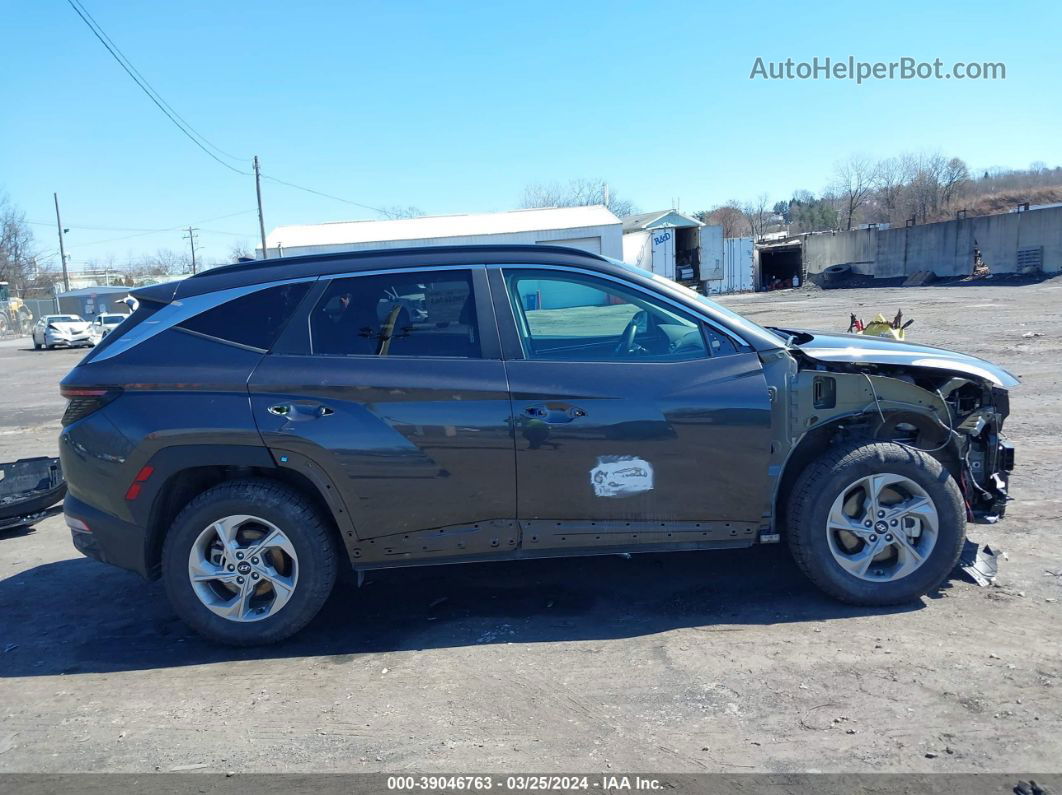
[
  {"x": 882, "y": 527},
  {"x": 243, "y": 568}
]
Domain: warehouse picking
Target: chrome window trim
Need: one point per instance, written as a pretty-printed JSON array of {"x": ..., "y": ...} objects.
[
  {"x": 181, "y": 309},
  {"x": 688, "y": 309}
]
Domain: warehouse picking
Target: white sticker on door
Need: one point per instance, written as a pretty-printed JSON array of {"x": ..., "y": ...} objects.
[{"x": 621, "y": 476}]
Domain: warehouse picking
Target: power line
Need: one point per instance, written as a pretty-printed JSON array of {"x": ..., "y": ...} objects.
[
  {"x": 326, "y": 195},
  {"x": 188, "y": 131},
  {"x": 141, "y": 229}
]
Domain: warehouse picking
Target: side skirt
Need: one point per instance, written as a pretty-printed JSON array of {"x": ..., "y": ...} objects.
[{"x": 506, "y": 539}]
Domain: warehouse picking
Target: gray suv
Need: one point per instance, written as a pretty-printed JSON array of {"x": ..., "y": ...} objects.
[{"x": 252, "y": 432}]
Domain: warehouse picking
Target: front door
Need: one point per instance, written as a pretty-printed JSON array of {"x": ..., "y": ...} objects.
[
  {"x": 635, "y": 421},
  {"x": 401, "y": 400}
]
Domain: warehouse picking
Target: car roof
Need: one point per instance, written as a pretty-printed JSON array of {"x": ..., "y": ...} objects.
[{"x": 242, "y": 274}]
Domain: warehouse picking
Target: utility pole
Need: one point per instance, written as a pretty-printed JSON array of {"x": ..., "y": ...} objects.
[
  {"x": 261, "y": 220},
  {"x": 191, "y": 239},
  {"x": 62, "y": 246}
]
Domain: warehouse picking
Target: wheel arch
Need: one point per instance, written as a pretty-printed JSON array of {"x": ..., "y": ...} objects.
[
  {"x": 184, "y": 477},
  {"x": 838, "y": 430}
]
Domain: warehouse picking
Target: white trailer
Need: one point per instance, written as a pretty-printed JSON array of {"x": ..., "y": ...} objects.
[
  {"x": 738, "y": 272},
  {"x": 673, "y": 245}
]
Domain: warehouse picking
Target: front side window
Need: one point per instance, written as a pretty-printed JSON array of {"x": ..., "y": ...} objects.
[
  {"x": 405, "y": 313},
  {"x": 572, "y": 317}
]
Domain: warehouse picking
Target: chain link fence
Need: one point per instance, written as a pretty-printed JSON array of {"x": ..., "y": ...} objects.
[{"x": 18, "y": 320}]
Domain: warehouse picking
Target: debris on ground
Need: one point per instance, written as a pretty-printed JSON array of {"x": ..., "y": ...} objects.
[
  {"x": 879, "y": 326},
  {"x": 1030, "y": 787},
  {"x": 1030, "y": 334},
  {"x": 979, "y": 563},
  {"x": 30, "y": 488}
]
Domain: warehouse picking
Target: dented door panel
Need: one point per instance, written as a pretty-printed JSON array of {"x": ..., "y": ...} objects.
[{"x": 620, "y": 443}]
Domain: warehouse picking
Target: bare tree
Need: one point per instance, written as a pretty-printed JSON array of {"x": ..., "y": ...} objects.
[
  {"x": 758, "y": 213},
  {"x": 577, "y": 193},
  {"x": 853, "y": 181},
  {"x": 18, "y": 261},
  {"x": 240, "y": 251},
  {"x": 729, "y": 216},
  {"x": 954, "y": 177}
]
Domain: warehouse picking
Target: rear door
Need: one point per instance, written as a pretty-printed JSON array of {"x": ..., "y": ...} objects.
[
  {"x": 391, "y": 384},
  {"x": 636, "y": 422}
]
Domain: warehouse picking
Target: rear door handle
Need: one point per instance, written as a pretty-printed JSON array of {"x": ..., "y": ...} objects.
[
  {"x": 555, "y": 415},
  {"x": 297, "y": 411}
]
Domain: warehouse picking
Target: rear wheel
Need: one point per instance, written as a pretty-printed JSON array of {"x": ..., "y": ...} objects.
[
  {"x": 876, "y": 523},
  {"x": 249, "y": 563}
]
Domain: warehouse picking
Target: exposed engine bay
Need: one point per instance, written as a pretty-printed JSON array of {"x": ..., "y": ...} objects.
[{"x": 958, "y": 419}]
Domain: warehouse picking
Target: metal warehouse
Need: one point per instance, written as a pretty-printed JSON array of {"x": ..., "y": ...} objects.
[{"x": 594, "y": 229}]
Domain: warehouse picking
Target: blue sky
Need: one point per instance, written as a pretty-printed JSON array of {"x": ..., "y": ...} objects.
[{"x": 456, "y": 106}]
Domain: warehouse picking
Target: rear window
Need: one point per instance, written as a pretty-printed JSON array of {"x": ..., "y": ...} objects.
[
  {"x": 254, "y": 320},
  {"x": 145, "y": 310},
  {"x": 413, "y": 313}
]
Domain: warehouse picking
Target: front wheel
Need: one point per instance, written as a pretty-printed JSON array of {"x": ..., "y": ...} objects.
[
  {"x": 249, "y": 563},
  {"x": 876, "y": 523}
]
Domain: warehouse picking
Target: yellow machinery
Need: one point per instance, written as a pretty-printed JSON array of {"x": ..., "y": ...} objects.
[
  {"x": 15, "y": 316},
  {"x": 879, "y": 326}
]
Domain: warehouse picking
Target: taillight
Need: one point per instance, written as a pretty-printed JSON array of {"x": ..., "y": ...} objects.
[{"x": 85, "y": 400}]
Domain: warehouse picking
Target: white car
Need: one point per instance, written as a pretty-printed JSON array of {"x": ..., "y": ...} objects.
[
  {"x": 53, "y": 330},
  {"x": 103, "y": 324}
]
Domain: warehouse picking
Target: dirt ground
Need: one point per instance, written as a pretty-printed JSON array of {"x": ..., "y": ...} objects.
[{"x": 724, "y": 661}]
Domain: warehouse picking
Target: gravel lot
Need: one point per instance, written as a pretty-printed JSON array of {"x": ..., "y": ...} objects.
[{"x": 723, "y": 661}]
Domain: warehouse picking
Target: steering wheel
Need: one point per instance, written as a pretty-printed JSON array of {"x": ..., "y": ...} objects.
[{"x": 627, "y": 345}]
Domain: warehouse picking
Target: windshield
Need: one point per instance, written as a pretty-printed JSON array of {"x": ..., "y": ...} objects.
[
  {"x": 64, "y": 319},
  {"x": 113, "y": 318},
  {"x": 736, "y": 321}
]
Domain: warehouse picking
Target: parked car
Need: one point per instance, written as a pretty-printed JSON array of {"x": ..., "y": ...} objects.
[
  {"x": 54, "y": 330},
  {"x": 246, "y": 436},
  {"x": 103, "y": 324}
]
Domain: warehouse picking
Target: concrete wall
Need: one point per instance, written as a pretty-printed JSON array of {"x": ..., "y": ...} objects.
[{"x": 946, "y": 248}]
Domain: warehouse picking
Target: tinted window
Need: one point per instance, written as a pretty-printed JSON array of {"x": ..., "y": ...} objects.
[
  {"x": 579, "y": 318},
  {"x": 417, "y": 313},
  {"x": 255, "y": 319}
]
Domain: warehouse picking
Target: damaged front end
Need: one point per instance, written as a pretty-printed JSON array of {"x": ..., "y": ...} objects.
[{"x": 955, "y": 415}]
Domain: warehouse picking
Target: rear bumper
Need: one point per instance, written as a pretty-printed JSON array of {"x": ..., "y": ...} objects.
[{"x": 110, "y": 539}]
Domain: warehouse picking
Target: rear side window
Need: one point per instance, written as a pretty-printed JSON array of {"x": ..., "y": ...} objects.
[
  {"x": 413, "y": 313},
  {"x": 145, "y": 310},
  {"x": 254, "y": 320}
]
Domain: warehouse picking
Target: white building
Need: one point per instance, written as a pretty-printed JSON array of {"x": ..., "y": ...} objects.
[{"x": 593, "y": 229}]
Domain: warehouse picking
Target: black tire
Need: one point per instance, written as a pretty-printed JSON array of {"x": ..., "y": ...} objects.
[
  {"x": 820, "y": 484},
  {"x": 311, "y": 534},
  {"x": 36, "y": 345}
]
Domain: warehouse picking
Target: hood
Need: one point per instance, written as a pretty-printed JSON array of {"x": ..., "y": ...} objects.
[
  {"x": 856, "y": 348},
  {"x": 70, "y": 327}
]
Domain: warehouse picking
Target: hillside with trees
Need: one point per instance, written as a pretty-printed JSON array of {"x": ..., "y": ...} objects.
[{"x": 916, "y": 188}]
